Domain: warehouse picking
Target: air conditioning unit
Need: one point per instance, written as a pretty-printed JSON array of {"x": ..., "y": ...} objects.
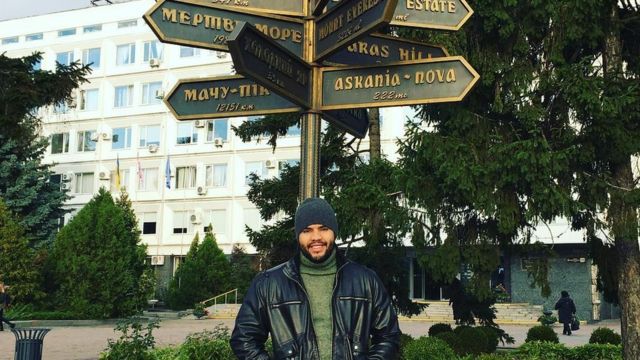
[
  {"x": 199, "y": 123},
  {"x": 104, "y": 175},
  {"x": 159, "y": 94},
  {"x": 154, "y": 63},
  {"x": 105, "y": 136},
  {"x": 157, "y": 260},
  {"x": 153, "y": 148},
  {"x": 67, "y": 176},
  {"x": 95, "y": 136},
  {"x": 195, "y": 218},
  {"x": 271, "y": 163},
  {"x": 218, "y": 142},
  {"x": 65, "y": 186},
  {"x": 202, "y": 190}
]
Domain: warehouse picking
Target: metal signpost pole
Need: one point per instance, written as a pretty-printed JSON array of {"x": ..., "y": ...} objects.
[{"x": 310, "y": 120}]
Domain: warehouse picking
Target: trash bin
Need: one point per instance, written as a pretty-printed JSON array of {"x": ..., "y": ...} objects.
[{"x": 29, "y": 343}]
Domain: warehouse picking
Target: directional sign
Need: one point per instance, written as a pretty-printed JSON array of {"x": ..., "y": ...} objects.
[
  {"x": 318, "y": 6},
  {"x": 282, "y": 7},
  {"x": 208, "y": 26},
  {"x": 382, "y": 49},
  {"x": 354, "y": 121},
  {"x": 348, "y": 21},
  {"x": 224, "y": 97},
  {"x": 432, "y": 14},
  {"x": 268, "y": 63},
  {"x": 416, "y": 82}
]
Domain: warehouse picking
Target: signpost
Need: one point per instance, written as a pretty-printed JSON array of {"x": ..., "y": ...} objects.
[
  {"x": 224, "y": 97},
  {"x": 283, "y": 59},
  {"x": 400, "y": 84},
  {"x": 348, "y": 21},
  {"x": 206, "y": 26},
  {"x": 271, "y": 65}
]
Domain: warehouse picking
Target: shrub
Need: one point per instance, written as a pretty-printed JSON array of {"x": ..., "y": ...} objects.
[
  {"x": 208, "y": 345},
  {"x": 439, "y": 328},
  {"x": 405, "y": 339},
  {"x": 596, "y": 352},
  {"x": 473, "y": 341},
  {"x": 428, "y": 348},
  {"x": 547, "y": 319},
  {"x": 135, "y": 343},
  {"x": 493, "y": 357},
  {"x": 168, "y": 353},
  {"x": 492, "y": 338},
  {"x": 542, "y": 350},
  {"x": 604, "y": 335},
  {"x": 452, "y": 340},
  {"x": 199, "y": 311},
  {"x": 542, "y": 333}
]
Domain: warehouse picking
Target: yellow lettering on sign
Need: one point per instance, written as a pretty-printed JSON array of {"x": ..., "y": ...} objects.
[
  {"x": 436, "y": 75},
  {"x": 366, "y": 81},
  {"x": 441, "y": 6}
]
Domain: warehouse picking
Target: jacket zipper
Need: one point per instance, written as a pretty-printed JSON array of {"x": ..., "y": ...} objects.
[
  {"x": 273, "y": 306},
  {"x": 335, "y": 313},
  {"x": 315, "y": 350}
]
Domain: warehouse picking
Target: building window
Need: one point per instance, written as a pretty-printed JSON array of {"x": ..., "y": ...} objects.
[
  {"x": 150, "y": 135},
  {"x": 37, "y": 66},
  {"x": 217, "y": 129},
  {"x": 186, "y": 177},
  {"x": 92, "y": 28},
  {"x": 148, "y": 222},
  {"x": 283, "y": 164},
  {"x": 66, "y": 32},
  {"x": 149, "y": 91},
  {"x": 127, "y": 23},
  {"x": 126, "y": 54},
  {"x": 152, "y": 50},
  {"x": 215, "y": 221},
  {"x": 188, "y": 51},
  {"x": 65, "y": 58},
  {"x": 180, "y": 222},
  {"x": 148, "y": 179},
  {"x": 89, "y": 99},
  {"x": 124, "y": 180},
  {"x": 252, "y": 219},
  {"x": 91, "y": 57},
  {"x": 33, "y": 37},
  {"x": 187, "y": 133},
  {"x": 61, "y": 107},
  {"x": 84, "y": 183},
  {"x": 121, "y": 138},
  {"x": 60, "y": 143},
  {"x": 10, "y": 40},
  {"x": 84, "y": 141},
  {"x": 254, "y": 167},
  {"x": 123, "y": 96},
  {"x": 216, "y": 175}
]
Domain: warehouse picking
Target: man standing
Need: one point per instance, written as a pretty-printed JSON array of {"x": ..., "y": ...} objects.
[
  {"x": 318, "y": 305},
  {"x": 5, "y": 301}
]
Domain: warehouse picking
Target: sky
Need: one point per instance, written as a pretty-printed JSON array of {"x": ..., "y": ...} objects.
[{"x": 11, "y": 9}]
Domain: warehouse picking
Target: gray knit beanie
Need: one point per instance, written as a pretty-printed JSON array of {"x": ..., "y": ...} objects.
[{"x": 315, "y": 211}]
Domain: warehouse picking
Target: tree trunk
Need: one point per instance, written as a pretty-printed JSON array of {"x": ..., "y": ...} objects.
[
  {"x": 374, "y": 133},
  {"x": 622, "y": 215}
]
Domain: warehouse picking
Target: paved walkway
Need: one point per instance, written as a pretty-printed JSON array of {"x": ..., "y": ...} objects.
[{"x": 81, "y": 342}]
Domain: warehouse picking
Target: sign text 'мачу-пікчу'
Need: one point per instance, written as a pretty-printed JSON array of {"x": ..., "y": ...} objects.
[
  {"x": 223, "y": 97},
  {"x": 268, "y": 63},
  {"x": 400, "y": 84},
  {"x": 209, "y": 26},
  {"x": 347, "y": 22}
]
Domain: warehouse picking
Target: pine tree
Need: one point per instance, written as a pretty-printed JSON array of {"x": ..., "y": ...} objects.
[
  {"x": 242, "y": 268},
  {"x": 549, "y": 132},
  {"x": 18, "y": 266},
  {"x": 97, "y": 261},
  {"x": 24, "y": 179}
]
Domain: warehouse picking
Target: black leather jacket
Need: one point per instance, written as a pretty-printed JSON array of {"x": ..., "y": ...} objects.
[{"x": 365, "y": 326}]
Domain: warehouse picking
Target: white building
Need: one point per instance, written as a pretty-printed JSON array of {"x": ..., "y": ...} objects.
[{"x": 118, "y": 116}]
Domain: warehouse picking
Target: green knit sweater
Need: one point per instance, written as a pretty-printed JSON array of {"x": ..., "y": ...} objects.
[{"x": 318, "y": 281}]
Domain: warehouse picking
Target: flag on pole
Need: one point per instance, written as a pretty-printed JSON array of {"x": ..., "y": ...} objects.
[
  {"x": 167, "y": 174},
  {"x": 118, "y": 172},
  {"x": 140, "y": 174}
]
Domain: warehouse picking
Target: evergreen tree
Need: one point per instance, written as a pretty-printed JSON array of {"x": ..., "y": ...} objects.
[
  {"x": 24, "y": 179},
  {"x": 18, "y": 265},
  {"x": 242, "y": 269},
  {"x": 97, "y": 261},
  {"x": 549, "y": 131},
  {"x": 204, "y": 273}
]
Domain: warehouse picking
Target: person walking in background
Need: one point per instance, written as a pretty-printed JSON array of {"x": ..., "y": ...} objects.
[
  {"x": 566, "y": 309},
  {"x": 5, "y": 302},
  {"x": 318, "y": 305}
]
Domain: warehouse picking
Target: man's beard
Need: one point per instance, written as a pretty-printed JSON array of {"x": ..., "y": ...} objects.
[{"x": 327, "y": 254}]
